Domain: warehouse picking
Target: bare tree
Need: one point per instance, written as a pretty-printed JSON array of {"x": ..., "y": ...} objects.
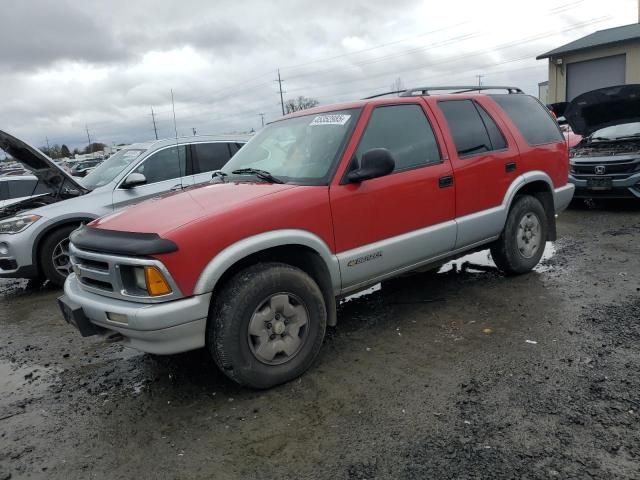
[
  {"x": 397, "y": 85},
  {"x": 300, "y": 103}
]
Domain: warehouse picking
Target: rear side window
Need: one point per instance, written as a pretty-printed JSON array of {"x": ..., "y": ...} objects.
[
  {"x": 403, "y": 130},
  {"x": 212, "y": 156},
  {"x": 532, "y": 119},
  {"x": 495, "y": 135},
  {"x": 467, "y": 128},
  {"x": 166, "y": 164}
]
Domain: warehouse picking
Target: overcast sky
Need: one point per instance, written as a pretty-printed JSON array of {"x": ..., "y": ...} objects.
[{"x": 66, "y": 64}]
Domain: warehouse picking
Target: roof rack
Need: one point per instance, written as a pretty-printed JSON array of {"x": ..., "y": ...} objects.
[{"x": 419, "y": 91}]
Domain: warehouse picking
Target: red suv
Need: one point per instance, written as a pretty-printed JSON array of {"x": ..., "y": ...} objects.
[{"x": 319, "y": 205}]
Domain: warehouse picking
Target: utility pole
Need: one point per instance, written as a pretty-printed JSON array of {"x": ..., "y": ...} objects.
[
  {"x": 153, "y": 117},
  {"x": 86, "y": 127},
  {"x": 48, "y": 147},
  {"x": 479, "y": 77},
  {"x": 262, "y": 118},
  {"x": 279, "y": 80}
]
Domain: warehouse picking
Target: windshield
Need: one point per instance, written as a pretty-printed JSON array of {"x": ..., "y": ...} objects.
[
  {"x": 617, "y": 131},
  {"x": 110, "y": 168},
  {"x": 300, "y": 150}
]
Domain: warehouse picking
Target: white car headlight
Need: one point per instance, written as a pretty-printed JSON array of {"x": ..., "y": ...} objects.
[{"x": 18, "y": 224}]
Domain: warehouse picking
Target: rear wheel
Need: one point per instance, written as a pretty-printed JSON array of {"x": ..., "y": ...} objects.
[
  {"x": 267, "y": 325},
  {"x": 521, "y": 245},
  {"x": 54, "y": 255}
]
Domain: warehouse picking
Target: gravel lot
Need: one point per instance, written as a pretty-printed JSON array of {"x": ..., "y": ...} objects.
[{"x": 460, "y": 374}]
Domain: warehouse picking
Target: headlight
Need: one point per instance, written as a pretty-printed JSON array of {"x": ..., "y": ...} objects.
[
  {"x": 146, "y": 281},
  {"x": 18, "y": 224}
]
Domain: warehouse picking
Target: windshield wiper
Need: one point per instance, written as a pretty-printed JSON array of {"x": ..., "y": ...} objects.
[
  {"x": 219, "y": 174},
  {"x": 261, "y": 174}
]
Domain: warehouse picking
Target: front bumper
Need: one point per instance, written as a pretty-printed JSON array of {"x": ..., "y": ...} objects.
[
  {"x": 620, "y": 188},
  {"x": 161, "y": 328},
  {"x": 16, "y": 255}
]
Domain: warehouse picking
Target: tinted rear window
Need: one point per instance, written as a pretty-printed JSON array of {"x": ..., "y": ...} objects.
[
  {"x": 467, "y": 128},
  {"x": 532, "y": 119}
]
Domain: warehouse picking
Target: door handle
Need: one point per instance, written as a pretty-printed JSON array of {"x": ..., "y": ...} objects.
[
  {"x": 446, "y": 181},
  {"x": 510, "y": 167}
]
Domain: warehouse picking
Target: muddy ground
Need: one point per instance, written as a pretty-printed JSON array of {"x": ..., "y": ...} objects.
[{"x": 461, "y": 374}]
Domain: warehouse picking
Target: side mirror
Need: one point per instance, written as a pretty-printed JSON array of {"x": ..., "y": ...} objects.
[
  {"x": 375, "y": 163},
  {"x": 133, "y": 180}
]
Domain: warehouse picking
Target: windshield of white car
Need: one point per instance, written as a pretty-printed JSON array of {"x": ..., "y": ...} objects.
[
  {"x": 110, "y": 168},
  {"x": 616, "y": 132},
  {"x": 300, "y": 150}
]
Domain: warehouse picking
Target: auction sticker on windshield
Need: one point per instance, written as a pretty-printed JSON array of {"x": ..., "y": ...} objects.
[{"x": 337, "y": 119}]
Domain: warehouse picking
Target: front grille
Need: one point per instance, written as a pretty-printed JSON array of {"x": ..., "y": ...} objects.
[
  {"x": 618, "y": 169},
  {"x": 101, "y": 274}
]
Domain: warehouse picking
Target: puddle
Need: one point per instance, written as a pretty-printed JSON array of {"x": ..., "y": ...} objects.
[
  {"x": 482, "y": 262},
  {"x": 20, "y": 383},
  {"x": 362, "y": 293}
]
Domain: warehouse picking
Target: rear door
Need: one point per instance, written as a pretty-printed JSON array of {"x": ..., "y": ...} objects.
[
  {"x": 485, "y": 161},
  {"x": 393, "y": 222},
  {"x": 165, "y": 170}
]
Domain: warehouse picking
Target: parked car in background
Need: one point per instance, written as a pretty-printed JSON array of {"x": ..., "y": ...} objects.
[
  {"x": 605, "y": 163},
  {"x": 321, "y": 204},
  {"x": 19, "y": 188},
  {"x": 34, "y": 232},
  {"x": 81, "y": 169}
]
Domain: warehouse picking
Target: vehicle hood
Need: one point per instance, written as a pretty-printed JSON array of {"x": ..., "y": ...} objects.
[
  {"x": 169, "y": 212},
  {"x": 604, "y": 107},
  {"x": 37, "y": 162}
]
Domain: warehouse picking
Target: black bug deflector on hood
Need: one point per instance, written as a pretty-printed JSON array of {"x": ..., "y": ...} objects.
[
  {"x": 604, "y": 107},
  {"x": 38, "y": 164},
  {"x": 121, "y": 243}
]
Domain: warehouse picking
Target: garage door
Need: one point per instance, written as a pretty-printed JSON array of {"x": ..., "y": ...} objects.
[{"x": 591, "y": 74}]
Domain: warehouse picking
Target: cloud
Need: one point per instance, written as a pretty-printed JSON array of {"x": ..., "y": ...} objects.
[{"x": 67, "y": 64}]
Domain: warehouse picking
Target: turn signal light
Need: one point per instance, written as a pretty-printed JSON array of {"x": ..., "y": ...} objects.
[{"x": 156, "y": 283}]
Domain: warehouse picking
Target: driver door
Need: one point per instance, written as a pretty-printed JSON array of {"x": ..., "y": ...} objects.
[
  {"x": 165, "y": 170},
  {"x": 398, "y": 220}
]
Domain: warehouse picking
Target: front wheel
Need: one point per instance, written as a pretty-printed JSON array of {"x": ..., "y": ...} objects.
[
  {"x": 54, "y": 255},
  {"x": 521, "y": 245},
  {"x": 266, "y": 325}
]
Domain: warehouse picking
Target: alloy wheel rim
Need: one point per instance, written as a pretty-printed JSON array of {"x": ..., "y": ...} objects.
[
  {"x": 529, "y": 236},
  {"x": 60, "y": 258},
  {"x": 278, "y": 328}
]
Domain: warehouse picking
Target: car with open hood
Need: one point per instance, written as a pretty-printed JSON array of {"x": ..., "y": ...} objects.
[
  {"x": 319, "y": 205},
  {"x": 606, "y": 161},
  {"x": 34, "y": 230}
]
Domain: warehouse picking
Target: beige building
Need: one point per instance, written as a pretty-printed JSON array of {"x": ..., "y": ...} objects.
[{"x": 602, "y": 59}]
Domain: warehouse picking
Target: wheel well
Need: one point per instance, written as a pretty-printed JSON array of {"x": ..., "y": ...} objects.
[
  {"x": 542, "y": 191},
  {"x": 304, "y": 258},
  {"x": 45, "y": 233}
]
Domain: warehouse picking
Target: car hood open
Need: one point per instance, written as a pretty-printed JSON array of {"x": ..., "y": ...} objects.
[
  {"x": 604, "y": 107},
  {"x": 38, "y": 163}
]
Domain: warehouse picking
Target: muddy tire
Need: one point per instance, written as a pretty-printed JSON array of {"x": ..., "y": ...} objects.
[
  {"x": 523, "y": 239},
  {"x": 266, "y": 325},
  {"x": 54, "y": 255}
]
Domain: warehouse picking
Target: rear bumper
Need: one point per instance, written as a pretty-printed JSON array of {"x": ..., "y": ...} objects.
[
  {"x": 621, "y": 188},
  {"x": 562, "y": 197},
  {"x": 162, "y": 328}
]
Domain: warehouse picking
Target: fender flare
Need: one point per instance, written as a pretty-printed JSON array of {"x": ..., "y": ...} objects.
[
  {"x": 263, "y": 241},
  {"x": 521, "y": 181}
]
